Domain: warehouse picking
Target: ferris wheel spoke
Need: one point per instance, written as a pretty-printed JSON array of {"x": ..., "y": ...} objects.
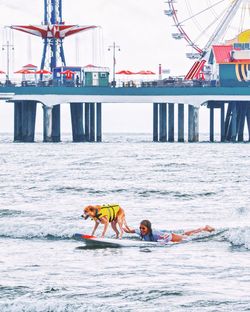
[
  {"x": 201, "y": 12},
  {"x": 204, "y": 23}
]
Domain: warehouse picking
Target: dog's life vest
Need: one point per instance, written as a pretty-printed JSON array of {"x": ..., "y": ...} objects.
[{"x": 109, "y": 211}]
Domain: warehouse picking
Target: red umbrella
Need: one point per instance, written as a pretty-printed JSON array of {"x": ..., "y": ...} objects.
[
  {"x": 125, "y": 72},
  {"x": 68, "y": 73},
  {"x": 145, "y": 72},
  {"x": 30, "y": 66},
  {"x": 43, "y": 72},
  {"x": 2, "y": 72},
  {"x": 24, "y": 71},
  {"x": 90, "y": 66}
]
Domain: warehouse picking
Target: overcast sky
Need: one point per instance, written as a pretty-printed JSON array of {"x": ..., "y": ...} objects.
[{"x": 139, "y": 27}]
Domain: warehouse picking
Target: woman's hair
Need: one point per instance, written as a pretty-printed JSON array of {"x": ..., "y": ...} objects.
[{"x": 148, "y": 225}]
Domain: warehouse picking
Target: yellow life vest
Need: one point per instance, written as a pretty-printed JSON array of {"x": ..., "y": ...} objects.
[{"x": 109, "y": 211}]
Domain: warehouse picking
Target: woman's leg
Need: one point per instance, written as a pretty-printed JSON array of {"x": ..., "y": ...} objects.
[
  {"x": 206, "y": 228},
  {"x": 176, "y": 238}
]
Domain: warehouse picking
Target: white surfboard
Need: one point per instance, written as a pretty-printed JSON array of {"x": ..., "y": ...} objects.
[{"x": 97, "y": 242}]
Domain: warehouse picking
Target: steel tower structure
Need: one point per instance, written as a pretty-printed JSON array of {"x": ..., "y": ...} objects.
[{"x": 53, "y": 31}]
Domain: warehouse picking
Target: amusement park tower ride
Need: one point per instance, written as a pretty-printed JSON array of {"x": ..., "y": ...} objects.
[{"x": 53, "y": 31}]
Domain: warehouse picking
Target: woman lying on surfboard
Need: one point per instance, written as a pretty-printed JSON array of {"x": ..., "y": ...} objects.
[{"x": 148, "y": 234}]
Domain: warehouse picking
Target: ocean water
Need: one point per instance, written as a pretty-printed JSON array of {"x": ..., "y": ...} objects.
[{"x": 44, "y": 187}]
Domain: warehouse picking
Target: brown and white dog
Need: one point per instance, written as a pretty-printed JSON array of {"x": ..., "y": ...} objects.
[{"x": 106, "y": 214}]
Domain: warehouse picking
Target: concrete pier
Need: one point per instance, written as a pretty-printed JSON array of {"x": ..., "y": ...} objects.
[
  {"x": 211, "y": 124},
  {"x": 222, "y": 122},
  {"x": 248, "y": 119},
  {"x": 164, "y": 128},
  {"x": 163, "y": 122},
  {"x": 180, "y": 122},
  {"x": 87, "y": 122},
  {"x": 47, "y": 123},
  {"x": 193, "y": 123},
  {"x": 155, "y": 122},
  {"x": 18, "y": 126},
  {"x": 233, "y": 125},
  {"x": 171, "y": 122},
  {"x": 56, "y": 123},
  {"x": 99, "y": 122},
  {"x": 24, "y": 121},
  {"x": 92, "y": 123},
  {"x": 76, "y": 111}
]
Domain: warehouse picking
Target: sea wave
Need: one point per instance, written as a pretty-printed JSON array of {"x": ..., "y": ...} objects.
[
  {"x": 239, "y": 237},
  {"x": 9, "y": 213},
  {"x": 53, "y": 306}
]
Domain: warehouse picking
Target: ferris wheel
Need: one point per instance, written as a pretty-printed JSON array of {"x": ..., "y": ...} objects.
[{"x": 203, "y": 23}]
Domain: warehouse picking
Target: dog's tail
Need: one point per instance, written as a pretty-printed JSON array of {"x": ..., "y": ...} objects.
[{"x": 126, "y": 225}]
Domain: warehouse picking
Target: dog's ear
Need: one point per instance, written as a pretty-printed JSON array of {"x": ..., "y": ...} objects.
[{"x": 87, "y": 208}]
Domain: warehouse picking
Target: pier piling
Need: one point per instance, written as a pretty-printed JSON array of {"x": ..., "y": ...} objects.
[
  {"x": 99, "y": 122},
  {"x": 56, "y": 123},
  {"x": 76, "y": 110},
  {"x": 163, "y": 122},
  {"x": 24, "y": 121},
  {"x": 180, "y": 122},
  {"x": 47, "y": 124},
  {"x": 171, "y": 122},
  {"x": 155, "y": 121}
]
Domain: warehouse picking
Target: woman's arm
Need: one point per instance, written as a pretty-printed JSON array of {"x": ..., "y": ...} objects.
[{"x": 128, "y": 230}]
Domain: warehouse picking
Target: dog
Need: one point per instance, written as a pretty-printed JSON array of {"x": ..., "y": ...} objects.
[{"x": 106, "y": 214}]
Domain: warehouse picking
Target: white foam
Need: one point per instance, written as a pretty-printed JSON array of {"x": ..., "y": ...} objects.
[{"x": 239, "y": 237}]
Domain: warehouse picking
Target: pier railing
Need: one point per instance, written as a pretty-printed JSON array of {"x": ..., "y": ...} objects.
[{"x": 167, "y": 82}]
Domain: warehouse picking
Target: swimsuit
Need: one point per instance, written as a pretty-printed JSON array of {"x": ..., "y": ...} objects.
[{"x": 156, "y": 236}]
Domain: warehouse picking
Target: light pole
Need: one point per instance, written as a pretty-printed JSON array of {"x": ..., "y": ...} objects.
[
  {"x": 8, "y": 46},
  {"x": 114, "y": 47}
]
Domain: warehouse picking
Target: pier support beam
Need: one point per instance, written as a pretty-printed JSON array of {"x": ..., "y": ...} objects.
[
  {"x": 180, "y": 122},
  {"x": 193, "y": 124},
  {"x": 92, "y": 122},
  {"x": 47, "y": 123},
  {"x": 18, "y": 126},
  {"x": 241, "y": 122},
  {"x": 76, "y": 110},
  {"x": 171, "y": 122},
  {"x": 24, "y": 121},
  {"x": 56, "y": 123},
  {"x": 28, "y": 116},
  {"x": 234, "y": 122},
  {"x": 87, "y": 122},
  {"x": 248, "y": 119},
  {"x": 163, "y": 122},
  {"x": 222, "y": 123},
  {"x": 211, "y": 124},
  {"x": 155, "y": 121},
  {"x": 99, "y": 122}
]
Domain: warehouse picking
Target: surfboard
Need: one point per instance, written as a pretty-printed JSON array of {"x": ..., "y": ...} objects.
[{"x": 97, "y": 242}]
